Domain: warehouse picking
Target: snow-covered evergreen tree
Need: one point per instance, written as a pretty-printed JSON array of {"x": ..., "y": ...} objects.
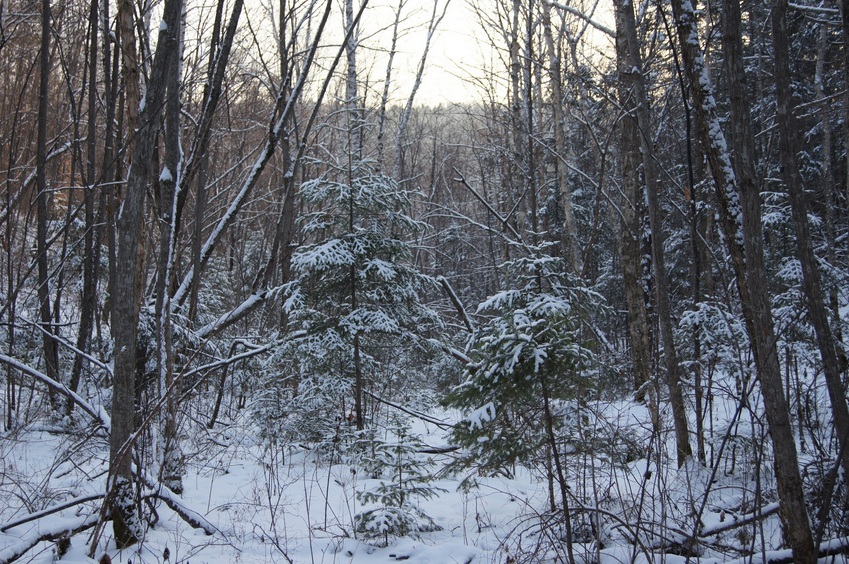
[
  {"x": 524, "y": 360},
  {"x": 405, "y": 476},
  {"x": 355, "y": 300}
]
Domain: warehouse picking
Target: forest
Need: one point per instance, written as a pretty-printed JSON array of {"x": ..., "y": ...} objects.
[{"x": 263, "y": 300}]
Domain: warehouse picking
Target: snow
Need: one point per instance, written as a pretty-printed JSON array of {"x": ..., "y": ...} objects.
[
  {"x": 270, "y": 502},
  {"x": 482, "y": 415}
]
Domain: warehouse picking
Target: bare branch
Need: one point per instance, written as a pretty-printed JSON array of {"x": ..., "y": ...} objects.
[{"x": 575, "y": 12}]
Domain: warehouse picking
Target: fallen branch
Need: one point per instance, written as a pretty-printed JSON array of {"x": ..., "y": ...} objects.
[
  {"x": 51, "y": 531},
  {"x": 96, "y": 412},
  {"x": 190, "y": 516},
  {"x": 50, "y": 510},
  {"x": 399, "y": 407},
  {"x": 740, "y": 521},
  {"x": 831, "y": 547}
]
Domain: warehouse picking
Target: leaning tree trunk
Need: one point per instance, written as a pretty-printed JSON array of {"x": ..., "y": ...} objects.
[{"x": 746, "y": 252}]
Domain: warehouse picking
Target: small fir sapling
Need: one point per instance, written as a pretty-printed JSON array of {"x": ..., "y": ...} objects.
[
  {"x": 355, "y": 301},
  {"x": 404, "y": 477},
  {"x": 525, "y": 357}
]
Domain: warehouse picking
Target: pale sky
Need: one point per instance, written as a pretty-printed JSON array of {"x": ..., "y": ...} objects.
[
  {"x": 454, "y": 50},
  {"x": 458, "y": 52}
]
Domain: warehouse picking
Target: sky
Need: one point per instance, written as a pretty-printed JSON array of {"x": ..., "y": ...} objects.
[
  {"x": 454, "y": 51},
  {"x": 459, "y": 50}
]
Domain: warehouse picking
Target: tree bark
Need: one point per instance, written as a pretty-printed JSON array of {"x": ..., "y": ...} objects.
[
  {"x": 51, "y": 351},
  {"x": 171, "y": 456},
  {"x": 126, "y": 526},
  {"x": 131, "y": 73},
  {"x": 88, "y": 298},
  {"x": 789, "y": 149},
  {"x": 635, "y": 104},
  {"x": 740, "y": 219}
]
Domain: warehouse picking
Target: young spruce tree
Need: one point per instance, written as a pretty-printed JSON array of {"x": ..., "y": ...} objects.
[
  {"x": 355, "y": 297},
  {"x": 526, "y": 361}
]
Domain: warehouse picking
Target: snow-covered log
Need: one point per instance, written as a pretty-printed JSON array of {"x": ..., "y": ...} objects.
[{"x": 50, "y": 531}]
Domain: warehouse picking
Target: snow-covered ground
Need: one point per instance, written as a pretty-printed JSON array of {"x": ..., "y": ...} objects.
[{"x": 290, "y": 504}]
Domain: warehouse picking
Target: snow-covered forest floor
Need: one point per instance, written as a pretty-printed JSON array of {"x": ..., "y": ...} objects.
[{"x": 269, "y": 502}]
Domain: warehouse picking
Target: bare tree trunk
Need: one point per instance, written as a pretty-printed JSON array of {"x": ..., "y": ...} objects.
[
  {"x": 789, "y": 149},
  {"x": 746, "y": 251},
  {"x": 844, "y": 28},
  {"x": 110, "y": 165},
  {"x": 528, "y": 95},
  {"x": 210, "y": 97},
  {"x": 126, "y": 525},
  {"x": 51, "y": 351},
  {"x": 384, "y": 99},
  {"x": 573, "y": 254},
  {"x": 633, "y": 209},
  {"x": 636, "y": 105},
  {"x": 352, "y": 101},
  {"x": 171, "y": 457},
  {"x": 87, "y": 300},
  {"x": 401, "y": 138},
  {"x": 131, "y": 74},
  {"x": 198, "y": 154},
  {"x": 517, "y": 178},
  {"x": 354, "y": 116}
]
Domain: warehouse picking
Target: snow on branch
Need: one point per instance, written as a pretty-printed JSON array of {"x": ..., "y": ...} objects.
[
  {"x": 50, "y": 531},
  {"x": 816, "y": 9},
  {"x": 575, "y": 12},
  {"x": 193, "y": 518},
  {"x": 458, "y": 305},
  {"x": 828, "y": 548},
  {"x": 96, "y": 412},
  {"x": 740, "y": 521},
  {"x": 50, "y": 510},
  {"x": 457, "y": 354},
  {"x": 189, "y": 515},
  {"x": 233, "y": 316}
]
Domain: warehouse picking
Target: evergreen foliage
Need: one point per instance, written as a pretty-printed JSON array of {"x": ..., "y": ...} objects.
[
  {"x": 355, "y": 301},
  {"x": 404, "y": 476},
  {"x": 526, "y": 350}
]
